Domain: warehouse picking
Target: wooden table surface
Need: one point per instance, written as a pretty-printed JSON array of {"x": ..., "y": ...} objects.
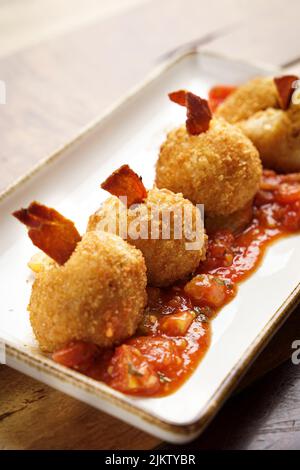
[{"x": 63, "y": 63}]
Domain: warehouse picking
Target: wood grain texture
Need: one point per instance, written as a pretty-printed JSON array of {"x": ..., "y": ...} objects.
[
  {"x": 23, "y": 24},
  {"x": 60, "y": 85},
  {"x": 34, "y": 416},
  {"x": 57, "y": 87},
  {"x": 270, "y": 37}
]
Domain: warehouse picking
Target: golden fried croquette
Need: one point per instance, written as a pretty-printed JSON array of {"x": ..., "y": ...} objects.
[
  {"x": 97, "y": 296},
  {"x": 219, "y": 168},
  {"x": 256, "y": 95},
  {"x": 276, "y": 135},
  {"x": 169, "y": 259},
  {"x": 255, "y": 108}
]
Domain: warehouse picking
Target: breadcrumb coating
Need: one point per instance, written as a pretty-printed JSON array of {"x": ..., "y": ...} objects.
[
  {"x": 255, "y": 108},
  {"x": 97, "y": 296},
  {"x": 255, "y": 95},
  {"x": 276, "y": 135},
  {"x": 220, "y": 168},
  {"x": 167, "y": 260}
]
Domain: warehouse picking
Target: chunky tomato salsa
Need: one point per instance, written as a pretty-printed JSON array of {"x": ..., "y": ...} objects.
[{"x": 176, "y": 328}]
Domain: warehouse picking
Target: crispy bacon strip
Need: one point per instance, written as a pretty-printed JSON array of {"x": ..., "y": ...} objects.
[
  {"x": 198, "y": 112},
  {"x": 50, "y": 231},
  {"x": 125, "y": 182},
  {"x": 178, "y": 97},
  {"x": 285, "y": 89}
]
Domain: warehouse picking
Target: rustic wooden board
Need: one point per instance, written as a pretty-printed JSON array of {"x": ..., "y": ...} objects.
[
  {"x": 34, "y": 416},
  {"x": 56, "y": 87}
]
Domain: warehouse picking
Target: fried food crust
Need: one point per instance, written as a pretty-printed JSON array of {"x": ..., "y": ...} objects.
[
  {"x": 97, "y": 296},
  {"x": 220, "y": 168},
  {"x": 255, "y": 108},
  {"x": 276, "y": 135},
  {"x": 167, "y": 260},
  {"x": 255, "y": 95}
]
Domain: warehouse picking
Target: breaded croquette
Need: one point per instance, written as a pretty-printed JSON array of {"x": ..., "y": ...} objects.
[
  {"x": 256, "y": 95},
  {"x": 219, "y": 168},
  {"x": 97, "y": 296},
  {"x": 169, "y": 256},
  {"x": 276, "y": 135},
  {"x": 264, "y": 111}
]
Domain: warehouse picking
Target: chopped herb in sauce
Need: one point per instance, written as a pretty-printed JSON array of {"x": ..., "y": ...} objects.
[
  {"x": 134, "y": 371},
  {"x": 163, "y": 378}
]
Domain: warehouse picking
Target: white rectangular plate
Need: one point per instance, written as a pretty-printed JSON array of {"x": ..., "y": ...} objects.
[{"x": 132, "y": 133}]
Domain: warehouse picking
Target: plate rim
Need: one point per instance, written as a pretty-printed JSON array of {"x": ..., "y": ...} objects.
[
  {"x": 73, "y": 378},
  {"x": 212, "y": 406},
  {"x": 86, "y": 130}
]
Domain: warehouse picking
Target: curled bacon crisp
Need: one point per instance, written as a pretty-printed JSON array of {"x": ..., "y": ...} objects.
[
  {"x": 285, "y": 89},
  {"x": 178, "y": 97},
  {"x": 125, "y": 182},
  {"x": 50, "y": 231},
  {"x": 198, "y": 112}
]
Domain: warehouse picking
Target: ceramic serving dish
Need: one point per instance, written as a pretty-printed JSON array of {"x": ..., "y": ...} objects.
[{"x": 69, "y": 181}]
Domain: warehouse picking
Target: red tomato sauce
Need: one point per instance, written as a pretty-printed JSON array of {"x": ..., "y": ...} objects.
[
  {"x": 176, "y": 329},
  {"x": 218, "y": 94}
]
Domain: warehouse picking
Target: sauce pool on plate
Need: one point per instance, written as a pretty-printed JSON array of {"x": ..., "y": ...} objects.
[{"x": 176, "y": 329}]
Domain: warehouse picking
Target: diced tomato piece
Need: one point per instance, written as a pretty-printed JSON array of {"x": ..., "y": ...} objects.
[
  {"x": 291, "y": 218},
  {"x": 270, "y": 183},
  {"x": 279, "y": 206},
  {"x": 179, "y": 302},
  {"x": 148, "y": 325},
  {"x": 78, "y": 355},
  {"x": 270, "y": 216},
  {"x": 176, "y": 324},
  {"x": 162, "y": 353},
  {"x": 287, "y": 193},
  {"x": 290, "y": 178},
  {"x": 267, "y": 173},
  {"x": 218, "y": 94},
  {"x": 206, "y": 289},
  {"x": 220, "y": 252},
  {"x": 130, "y": 372},
  {"x": 166, "y": 301}
]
